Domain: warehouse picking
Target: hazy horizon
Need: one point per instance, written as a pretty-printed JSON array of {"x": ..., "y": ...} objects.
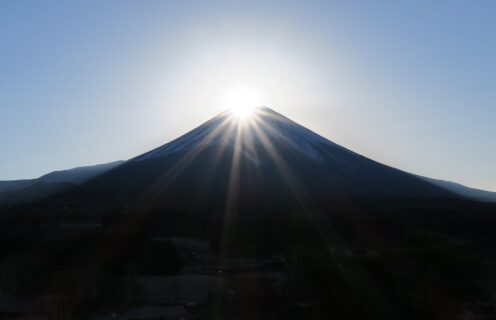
[{"x": 410, "y": 85}]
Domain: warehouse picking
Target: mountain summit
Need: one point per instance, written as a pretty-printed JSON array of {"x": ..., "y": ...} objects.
[
  {"x": 262, "y": 159},
  {"x": 264, "y": 129}
]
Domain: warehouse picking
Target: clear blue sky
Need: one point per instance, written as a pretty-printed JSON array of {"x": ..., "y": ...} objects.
[{"x": 409, "y": 83}]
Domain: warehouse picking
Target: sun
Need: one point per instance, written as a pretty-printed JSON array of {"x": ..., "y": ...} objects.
[
  {"x": 242, "y": 101},
  {"x": 242, "y": 112}
]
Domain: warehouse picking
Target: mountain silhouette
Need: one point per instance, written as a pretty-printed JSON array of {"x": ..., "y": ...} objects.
[{"x": 265, "y": 159}]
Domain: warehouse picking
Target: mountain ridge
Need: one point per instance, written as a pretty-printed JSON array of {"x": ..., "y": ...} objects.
[
  {"x": 51, "y": 183},
  {"x": 267, "y": 157},
  {"x": 268, "y": 146}
]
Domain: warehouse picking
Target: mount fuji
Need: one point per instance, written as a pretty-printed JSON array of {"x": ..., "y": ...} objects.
[{"x": 266, "y": 159}]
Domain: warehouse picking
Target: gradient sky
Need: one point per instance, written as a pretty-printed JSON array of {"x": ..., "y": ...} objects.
[{"x": 411, "y": 84}]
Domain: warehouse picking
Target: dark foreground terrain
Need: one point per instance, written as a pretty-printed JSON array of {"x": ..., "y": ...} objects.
[{"x": 380, "y": 259}]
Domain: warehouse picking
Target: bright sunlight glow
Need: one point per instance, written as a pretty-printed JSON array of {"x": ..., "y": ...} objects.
[{"x": 242, "y": 101}]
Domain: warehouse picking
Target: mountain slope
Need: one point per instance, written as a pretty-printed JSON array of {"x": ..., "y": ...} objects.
[
  {"x": 472, "y": 193},
  {"x": 79, "y": 175},
  {"x": 267, "y": 159}
]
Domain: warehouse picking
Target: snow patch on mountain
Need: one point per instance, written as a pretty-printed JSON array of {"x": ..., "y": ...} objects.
[{"x": 265, "y": 128}]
